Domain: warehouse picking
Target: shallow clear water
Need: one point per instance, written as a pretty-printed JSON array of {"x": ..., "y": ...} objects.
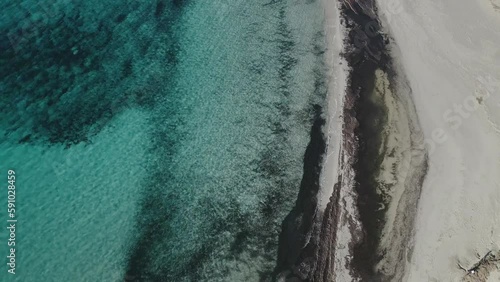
[{"x": 156, "y": 142}]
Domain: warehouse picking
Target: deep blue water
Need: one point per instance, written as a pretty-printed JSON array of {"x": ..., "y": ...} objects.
[{"x": 155, "y": 141}]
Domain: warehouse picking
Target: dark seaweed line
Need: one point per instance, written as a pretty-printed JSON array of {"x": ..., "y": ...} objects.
[{"x": 366, "y": 52}]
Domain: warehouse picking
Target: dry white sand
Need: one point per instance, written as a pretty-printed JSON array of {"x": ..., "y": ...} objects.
[
  {"x": 450, "y": 53},
  {"x": 494, "y": 276}
]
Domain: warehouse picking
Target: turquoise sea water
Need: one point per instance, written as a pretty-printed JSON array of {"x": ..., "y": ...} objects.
[{"x": 158, "y": 141}]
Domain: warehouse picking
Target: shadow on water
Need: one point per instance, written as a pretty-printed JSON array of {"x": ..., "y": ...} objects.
[{"x": 298, "y": 223}]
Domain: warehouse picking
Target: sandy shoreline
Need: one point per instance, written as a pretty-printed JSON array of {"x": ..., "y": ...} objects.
[
  {"x": 402, "y": 160},
  {"x": 408, "y": 187}
]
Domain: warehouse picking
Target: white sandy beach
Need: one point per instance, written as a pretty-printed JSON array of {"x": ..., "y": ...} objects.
[{"x": 450, "y": 54}]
